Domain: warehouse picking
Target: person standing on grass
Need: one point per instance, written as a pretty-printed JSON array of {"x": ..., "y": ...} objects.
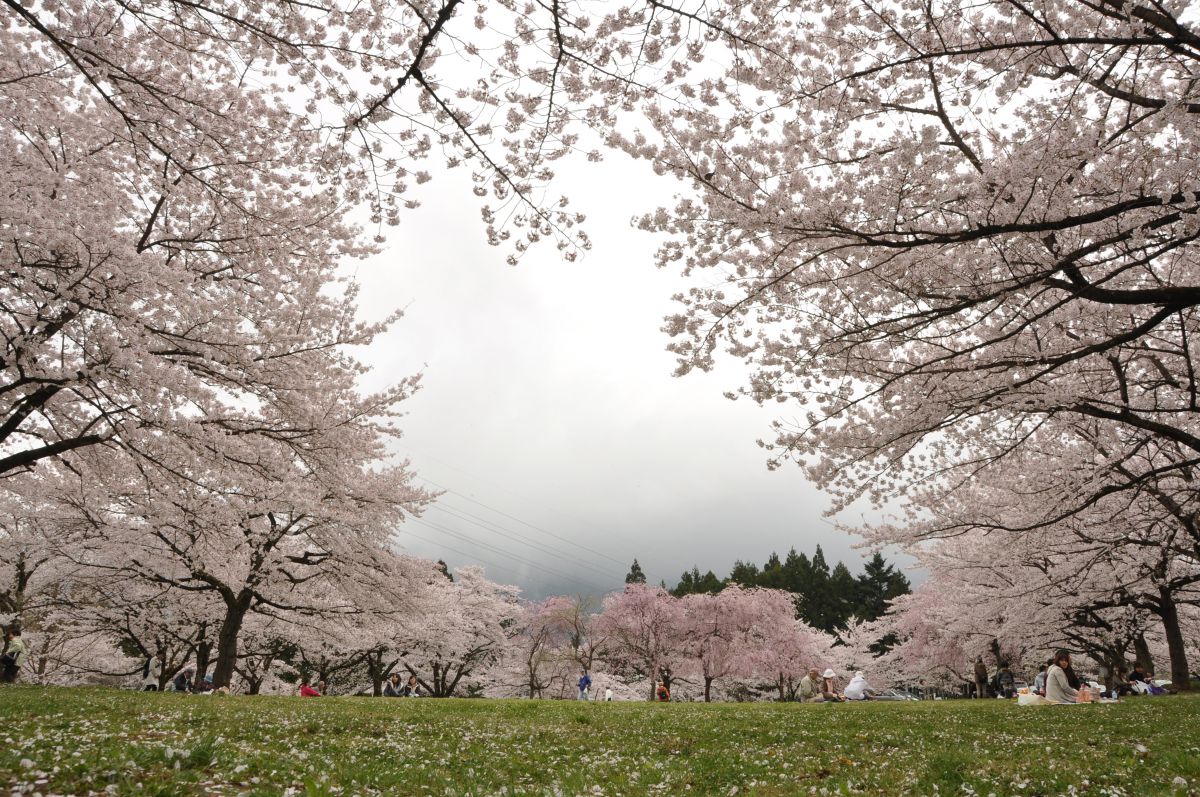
[
  {"x": 152, "y": 672},
  {"x": 585, "y": 685},
  {"x": 13, "y": 656},
  {"x": 1058, "y": 689},
  {"x": 662, "y": 693},
  {"x": 981, "y": 676},
  {"x": 608, "y": 694}
]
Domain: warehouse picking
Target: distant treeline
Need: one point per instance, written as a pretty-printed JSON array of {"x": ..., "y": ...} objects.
[{"x": 825, "y": 598}]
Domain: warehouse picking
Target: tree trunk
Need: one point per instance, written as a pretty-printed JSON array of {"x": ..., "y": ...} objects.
[
  {"x": 227, "y": 638},
  {"x": 1112, "y": 659},
  {"x": 707, "y": 689},
  {"x": 203, "y": 652},
  {"x": 439, "y": 679},
  {"x": 375, "y": 670},
  {"x": 1142, "y": 654},
  {"x": 165, "y": 673},
  {"x": 1176, "y": 647}
]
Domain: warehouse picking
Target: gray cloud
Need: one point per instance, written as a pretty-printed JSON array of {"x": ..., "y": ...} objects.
[{"x": 549, "y": 405}]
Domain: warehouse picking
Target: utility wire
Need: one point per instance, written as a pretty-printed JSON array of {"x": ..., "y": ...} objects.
[
  {"x": 502, "y": 552},
  {"x": 470, "y": 556},
  {"x": 508, "y": 533},
  {"x": 525, "y": 523}
]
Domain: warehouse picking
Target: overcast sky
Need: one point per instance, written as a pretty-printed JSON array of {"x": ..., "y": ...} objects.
[{"x": 549, "y": 412}]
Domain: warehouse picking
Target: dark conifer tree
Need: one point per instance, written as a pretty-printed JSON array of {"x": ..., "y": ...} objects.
[{"x": 635, "y": 575}]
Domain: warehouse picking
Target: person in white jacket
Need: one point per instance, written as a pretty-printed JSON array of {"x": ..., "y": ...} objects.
[
  {"x": 1058, "y": 689},
  {"x": 151, "y": 673},
  {"x": 858, "y": 688}
]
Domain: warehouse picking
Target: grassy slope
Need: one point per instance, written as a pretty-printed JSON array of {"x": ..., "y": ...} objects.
[{"x": 76, "y": 741}]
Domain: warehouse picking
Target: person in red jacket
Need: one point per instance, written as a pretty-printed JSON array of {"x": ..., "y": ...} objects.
[{"x": 308, "y": 691}]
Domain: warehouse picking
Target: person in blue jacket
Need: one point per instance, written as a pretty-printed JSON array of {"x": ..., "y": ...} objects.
[{"x": 585, "y": 685}]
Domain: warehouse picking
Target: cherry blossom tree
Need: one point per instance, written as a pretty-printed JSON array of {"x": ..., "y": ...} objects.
[
  {"x": 540, "y": 651},
  {"x": 786, "y": 647},
  {"x": 464, "y": 632},
  {"x": 726, "y": 634},
  {"x": 1059, "y": 521},
  {"x": 949, "y": 233},
  {"x": 938, "y": 225},
  {"x": 1015, "y": 601},
  {"x": 643, "y": 628},
  {"x": 180, "y": 174}
]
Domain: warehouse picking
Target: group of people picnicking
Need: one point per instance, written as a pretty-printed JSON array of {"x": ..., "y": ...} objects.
[
  {"x": 183, "y": 683},
  {"x": 1057, "y": 682},
  {"x": 825, "y": 687}
]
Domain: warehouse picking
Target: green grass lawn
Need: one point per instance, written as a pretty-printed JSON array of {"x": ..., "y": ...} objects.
[{"x": 96, "y": 741}]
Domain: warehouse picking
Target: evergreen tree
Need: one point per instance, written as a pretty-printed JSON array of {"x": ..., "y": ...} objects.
[
  {"x": 814, "y": 602},
  {"x": 687, "y": 583},
  {"x": 691, "y": 582},
  {"x": 635, "y": 575},
  {"x": 825, "y": 598},
  {"x": 772, "y": 573},
  {"x": 879, "y": 584},
  {"x": 797, "y": 572},
  {"x": 710, "y": 583},
  {"x": 744, "y": 573},
  {"x": 843, "y": 596}
]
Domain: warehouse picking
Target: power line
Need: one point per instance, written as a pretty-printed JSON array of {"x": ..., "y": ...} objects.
[
  {"x": 469, "y": 556},
  {"x": 502, "y": 552},
  {"x": 508, "y": 533},
  {"x": 524, "y": 522}
]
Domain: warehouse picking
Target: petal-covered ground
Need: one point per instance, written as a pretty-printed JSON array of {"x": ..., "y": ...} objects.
[{"x": 96, "y": 741}]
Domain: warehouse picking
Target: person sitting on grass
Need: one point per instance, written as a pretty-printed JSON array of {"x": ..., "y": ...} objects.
[
  {"x": 1006, "y": 684},
  {"x": 183, "y": 681},
  {"x": 1120, "y": 683},
  {"x": 1058, "y": 686},
  {"x": 412, "y": 688},
  {"x": 858, "y": 689},
  {"x": 1039, "y": 683},
  {"x": 13, "y": 657},
  {"x": 830, "y": 688},
  {"x": 392, "y": 687},
  {"x": 308, "y": 691},
  {"x": 810, "y": 687},
  {"x": 203, "y": 686}
]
